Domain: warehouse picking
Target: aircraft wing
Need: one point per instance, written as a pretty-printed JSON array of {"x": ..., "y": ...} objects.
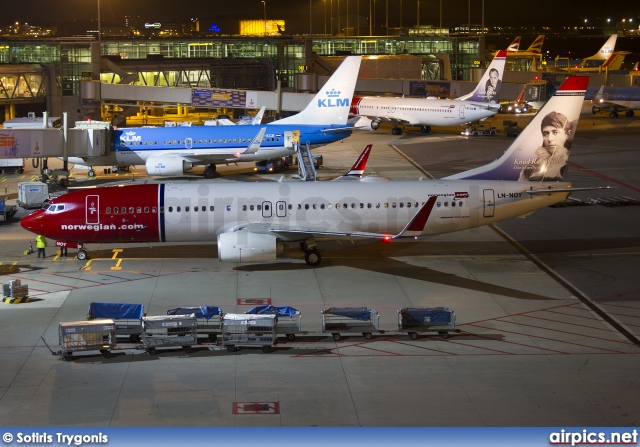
[
  {"x": 395, "y": 119},
  {"x": 290, "y": 233}
]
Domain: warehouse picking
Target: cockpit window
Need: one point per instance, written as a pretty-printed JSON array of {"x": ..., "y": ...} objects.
[{"x": 55, "y": 208}]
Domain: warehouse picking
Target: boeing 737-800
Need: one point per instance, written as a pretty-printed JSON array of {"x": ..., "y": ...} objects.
[
  {"x": 479, "y": 105},
  {"x": 251, "y": 221},
  {"x": 176, "y": 150}
]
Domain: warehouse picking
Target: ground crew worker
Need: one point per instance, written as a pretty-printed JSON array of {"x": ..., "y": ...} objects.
[{"x": 41, "y": 243}]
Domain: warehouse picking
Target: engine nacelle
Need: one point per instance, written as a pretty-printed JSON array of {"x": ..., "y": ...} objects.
[
  {"x": 167, "y": 165},
  {"x": 245, "y": 246}
]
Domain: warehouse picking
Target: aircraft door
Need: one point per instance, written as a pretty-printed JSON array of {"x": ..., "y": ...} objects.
[
  {"x": 489, "y": 202},
  {"x": 266, "y": 209},
  {"x": 281, "y": 208},
  {"x": 462, "y": 111},
  {"x": 188, "y": 143},
  {"x": 92, "y": 207}
]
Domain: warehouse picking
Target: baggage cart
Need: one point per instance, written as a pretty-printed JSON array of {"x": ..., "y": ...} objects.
[
  {"x": 289, "y": 319},
  {"x": 127, "y": 317},
  {"x": 208, "y": 319},
  {"x": 337, "y": 320},
  {"x": 170, "y": 330},
  {"x": 426, "y": 319},
  {"x": 95, "y": 335},
  {"x": 248, "y": 330}
]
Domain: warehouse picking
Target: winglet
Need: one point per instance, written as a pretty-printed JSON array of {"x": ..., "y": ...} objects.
[
  {"x": 256, "y": 142},
  {"x": 361, "y": 163},
  {"x": 258, "y": 118},
  {"x": 415, "y": 227}
]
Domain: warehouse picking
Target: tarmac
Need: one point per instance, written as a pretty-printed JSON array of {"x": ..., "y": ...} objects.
[{"x": 540, "y": 341}]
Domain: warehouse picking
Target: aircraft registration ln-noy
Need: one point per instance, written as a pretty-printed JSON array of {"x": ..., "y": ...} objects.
[{"x": 251, "y": 221}]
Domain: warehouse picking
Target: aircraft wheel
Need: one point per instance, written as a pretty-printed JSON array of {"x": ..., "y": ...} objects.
[
  {"x": 82, "y": 255},
  {"x": 493, "y": 134},
  {"x": 396, "y": 131},
  {"x": 312, "y": 257},
  {"x": 91, "y": 173},
  {"x": 613, "y": 115},
  {"x": 629, "y": 113},
  {"x": 209, "y": 173},
  {"x": 594, "y": 110},
  {"x": 475, "y": 134},
  {"x": 425, "y": 129}
]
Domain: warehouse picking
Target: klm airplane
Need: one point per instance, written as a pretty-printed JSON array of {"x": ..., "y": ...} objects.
[{"x": 173, "y": 151}]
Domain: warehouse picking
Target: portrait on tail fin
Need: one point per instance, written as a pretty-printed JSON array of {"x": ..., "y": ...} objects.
[
  {"x": 551, "y": 157},
  {"x": 492, "y": 86}
]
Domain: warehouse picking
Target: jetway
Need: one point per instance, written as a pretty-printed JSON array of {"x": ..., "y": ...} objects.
[{"x": 86, "y": 139}]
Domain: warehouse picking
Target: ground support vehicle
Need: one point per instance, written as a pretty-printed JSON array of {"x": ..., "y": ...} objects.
[
  {"x": 249, "y": 330},
  {"x": 480, "y": 131},
  {"x": 32, "y": 194},
  {"x": 208, "y": 317},
  {"x": 12, "y": 165},
  {"x": 426, "y": 319},
  {"x": 170, "y": 330},
  {"x": 289, "y": 319},
  {"x": 337, "y": 320},
  {"x": 94, "y": 335},
  {"x": 127, "y": 317},
  {"x": 7, "y": 211}
]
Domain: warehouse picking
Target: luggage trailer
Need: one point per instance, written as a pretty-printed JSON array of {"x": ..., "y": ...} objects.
[
  {"x": 209, "y": 319},
  {"x": 289, "y": 319},
  {"x": 82, "y": 336},
  {"x": 171, "y": 330},
  {"x": 127, "y": 318},
  {"x": 426, "y": 319},
  {"x": 248, "y": 330},
  {"x": 337, "y": 320}
]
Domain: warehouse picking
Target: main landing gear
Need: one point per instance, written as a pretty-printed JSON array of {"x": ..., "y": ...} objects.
[
  {"x": 311, "y": 254},
  {"x": 396, "y": 131},
  {"x": 209, "y": 171},
  {"x": 425, "y": 129}
]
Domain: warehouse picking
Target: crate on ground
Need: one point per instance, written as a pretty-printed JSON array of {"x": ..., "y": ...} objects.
[
  {"x": 249, "y": 330},
  {"x": 127, "y": 317},
  {"x": 289, "y": 319},
  {"x": 80, "y": 336},
  {"x": 15, "y": 289},
  {"x": 337, "y": 320},
  {"x": 426, "y": 319},
  {"x": 170, "y": 330},
  {"x": 208, "y": 317}
]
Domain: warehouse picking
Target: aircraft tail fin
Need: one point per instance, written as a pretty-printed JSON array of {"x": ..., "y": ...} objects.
[
  {"x": 258, "y": 118},
  {"x": 540, "y": 152},
  {"x": 607, "y": 49},
  {"x": 361, "y": 163},
  {"x": 485, "y": 90},
  {"x": 536, "y": 46},
  {"x": 515, "y": 44},
  {"x": 331, "y": 104},
  {"x": 615, "y": 60}
]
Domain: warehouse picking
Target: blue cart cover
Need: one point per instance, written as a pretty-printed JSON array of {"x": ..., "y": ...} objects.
[
  {"x": 279, "y": 311},
  {"x": 116, "y": 311},
  {"x": 420, "y": 315},
  {"x": 200, "y": 311},
  {"x": 356, "y": 313}
]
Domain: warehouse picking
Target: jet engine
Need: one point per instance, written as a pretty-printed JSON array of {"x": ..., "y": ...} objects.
[
  {"x": 245, "y": 246},
  {"x": 167, "y": 165}
]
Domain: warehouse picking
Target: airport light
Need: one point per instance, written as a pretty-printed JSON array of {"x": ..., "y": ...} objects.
[
  {"x": 264, "y": 5},
  {"x": 325, "y": 17}
]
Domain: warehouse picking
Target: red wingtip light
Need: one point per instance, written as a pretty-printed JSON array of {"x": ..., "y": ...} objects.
[{"x": 386, "y": 238}]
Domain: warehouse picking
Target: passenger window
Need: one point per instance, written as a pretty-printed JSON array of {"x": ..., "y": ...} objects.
[
  {"x": 186, "y": 209},
  {"x": 322, "y": 206},
  {"x": 377, "y": 204},
  {"x": 108, "y": 210},
  {"x": 228, "y": 207},
  {"x": 361, "y": 205},
  {"x": 138, "y": 210},
  {"x": 130, "y": 210},
  {"x": 438, "y": 204},
  {"x": 195, "y": 209},
  {"x": 299, "y": 206},
  {"x": 171, "y": 209},
  {"x": 408, "y": 204},
  {"x": 314, "y": 206},
  {"x": 401, "y": 205},
  {"x": 259, "y": 207},
  {"x": 123, "y": 210},
  {"x": 251, "y": 207},
  {"x": 393, "y": 204},
  {"x": 211, "y": 208},
  {"x": 266, "y": 207},
  {"x": 177, "y": 209},
  {"x": 446, "y": 204},
  {"x": 368, "y": 205},
  {"x": 459, "y": 204},
  {"x": 146, "y": 209},
  {"x": 306, "y": 206},
  {"x": 244, "y": 207},
  {"x": 337, "y": 206}
]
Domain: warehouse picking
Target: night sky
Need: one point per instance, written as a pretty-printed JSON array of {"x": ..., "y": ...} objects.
[{"x": 296, "y": 12}]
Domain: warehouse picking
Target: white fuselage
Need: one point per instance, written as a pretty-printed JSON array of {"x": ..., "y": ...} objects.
[
  {"x": 379, "y": 207},
  {"x": 423, "y": 112}
]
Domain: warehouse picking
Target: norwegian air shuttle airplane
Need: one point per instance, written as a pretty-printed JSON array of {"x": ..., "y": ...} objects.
[
  {"x": 251, "y": 221},
  {"x": 479, "y": 105},
  {"x": 170, "y": 151}
]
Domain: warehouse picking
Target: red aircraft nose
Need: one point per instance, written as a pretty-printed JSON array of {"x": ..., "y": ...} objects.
[{"x": 33, "y": 222}]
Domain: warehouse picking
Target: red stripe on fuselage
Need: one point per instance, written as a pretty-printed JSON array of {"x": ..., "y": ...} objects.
[{"x": 135, "y": 220}]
